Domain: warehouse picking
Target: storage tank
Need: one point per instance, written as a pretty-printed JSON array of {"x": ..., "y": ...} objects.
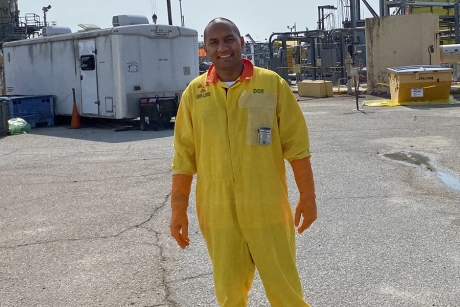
[{"x": 450, "y": 53}]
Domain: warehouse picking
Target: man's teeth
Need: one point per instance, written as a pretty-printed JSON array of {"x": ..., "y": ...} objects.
[{"x": 225, "y": 56}]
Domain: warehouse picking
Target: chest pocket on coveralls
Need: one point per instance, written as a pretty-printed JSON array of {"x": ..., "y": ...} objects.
[{"x": 261, "y": 113}]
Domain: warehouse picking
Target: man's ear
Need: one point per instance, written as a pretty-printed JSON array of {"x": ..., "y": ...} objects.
[{"x": 242, "y": 41}]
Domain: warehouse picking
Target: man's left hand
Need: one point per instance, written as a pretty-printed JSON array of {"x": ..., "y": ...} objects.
[{"x": 306, "y": 208}]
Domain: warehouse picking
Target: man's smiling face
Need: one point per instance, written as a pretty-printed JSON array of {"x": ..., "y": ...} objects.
[{"x": 223, "y": 46}]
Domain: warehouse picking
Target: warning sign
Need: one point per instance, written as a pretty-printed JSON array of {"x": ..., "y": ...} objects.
[{"x": 417, "y": 92}]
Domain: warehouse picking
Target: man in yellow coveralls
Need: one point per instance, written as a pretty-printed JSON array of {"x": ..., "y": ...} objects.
[{"x": 235, "y": 126}]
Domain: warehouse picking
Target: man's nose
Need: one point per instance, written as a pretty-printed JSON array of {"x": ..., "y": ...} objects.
[{"x": 222, "y": 45}]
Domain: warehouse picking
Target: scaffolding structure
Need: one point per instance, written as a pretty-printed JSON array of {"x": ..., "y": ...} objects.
[{"x": 14, "y": 27}]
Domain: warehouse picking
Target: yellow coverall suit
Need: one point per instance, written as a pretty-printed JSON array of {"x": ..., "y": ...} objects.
[{"x": 241, "y": 192}]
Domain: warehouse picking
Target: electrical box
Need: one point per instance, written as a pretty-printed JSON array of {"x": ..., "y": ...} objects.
[
  {"x": 328, "y": 57},
  {"x": 319, "y": 62}
]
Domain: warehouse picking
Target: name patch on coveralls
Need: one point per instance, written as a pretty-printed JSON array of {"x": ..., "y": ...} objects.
[{"x": 203, "y": 95}]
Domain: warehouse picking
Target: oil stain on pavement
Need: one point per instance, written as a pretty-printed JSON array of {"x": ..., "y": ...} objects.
[{"x": 419, "y": 159}]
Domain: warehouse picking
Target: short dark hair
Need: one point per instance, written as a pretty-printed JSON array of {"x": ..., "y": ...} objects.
[{"x": 222, "y": 20}]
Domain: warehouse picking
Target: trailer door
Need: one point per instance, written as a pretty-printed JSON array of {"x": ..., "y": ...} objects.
[{"x": 88, "y": 70}]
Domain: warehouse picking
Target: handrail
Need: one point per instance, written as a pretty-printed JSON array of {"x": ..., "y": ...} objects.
[
  {"x": 21, "y": 28},
  {"x": 295, "y": 36}
]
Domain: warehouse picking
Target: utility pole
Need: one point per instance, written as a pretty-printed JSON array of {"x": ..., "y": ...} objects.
[
  {"x": 45, "y": 9},
  {"x": 293, "y": 27},
  {"x": 181, "y": 16},
  {"x": 169, "y": 12}
]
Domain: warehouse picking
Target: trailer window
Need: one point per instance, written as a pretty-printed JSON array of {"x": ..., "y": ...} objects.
[{"x": 87, "y": 62}]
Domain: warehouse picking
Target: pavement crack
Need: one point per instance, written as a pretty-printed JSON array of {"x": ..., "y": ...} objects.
[
  {"x": 8, "y": 153},
  {"x": 359, "y": 197},
  {"x": 192, "y": 277},
  {"x": 164, "y": 272},
  {"x": 140, "y": 225},
  {"x": 162, "y": 205}
]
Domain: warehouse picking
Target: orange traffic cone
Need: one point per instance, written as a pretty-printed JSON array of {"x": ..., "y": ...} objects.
[{"x": 75, "y": 122}]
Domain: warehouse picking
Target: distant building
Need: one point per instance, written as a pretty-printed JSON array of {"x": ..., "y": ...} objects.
[{"x": 13, "y": 27}]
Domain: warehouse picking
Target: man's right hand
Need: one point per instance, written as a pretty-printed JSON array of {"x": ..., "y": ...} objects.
[
  {"x": 179, "y": 226},
  {"x": 181, "y": 185}
]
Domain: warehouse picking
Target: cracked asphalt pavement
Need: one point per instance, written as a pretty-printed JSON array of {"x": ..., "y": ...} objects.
[{"x": 84, "y": 215}]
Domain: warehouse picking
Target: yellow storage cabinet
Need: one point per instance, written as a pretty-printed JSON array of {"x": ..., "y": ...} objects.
[{"x": 419, "y": 83}]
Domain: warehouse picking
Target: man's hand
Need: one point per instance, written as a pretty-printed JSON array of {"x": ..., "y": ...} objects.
[
  {"x": 181, "y": 185},
  {"x": 179, "y": 226},
  {"x": 306, "y": 208}
]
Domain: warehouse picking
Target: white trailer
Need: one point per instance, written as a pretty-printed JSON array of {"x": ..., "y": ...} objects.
[{"x": 110, "y": 69}]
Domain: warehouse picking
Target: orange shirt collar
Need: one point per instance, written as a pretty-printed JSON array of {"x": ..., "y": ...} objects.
[{"x": 248, "y": 72}]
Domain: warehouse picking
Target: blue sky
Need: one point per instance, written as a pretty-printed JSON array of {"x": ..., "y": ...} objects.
[{"x": 260, "y": 18}]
